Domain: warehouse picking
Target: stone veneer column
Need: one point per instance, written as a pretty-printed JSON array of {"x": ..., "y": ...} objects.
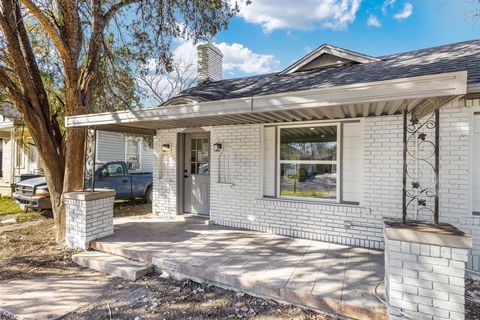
[
  {"x": 425, "y": 271},
  {"x": 89, "y": 216}
]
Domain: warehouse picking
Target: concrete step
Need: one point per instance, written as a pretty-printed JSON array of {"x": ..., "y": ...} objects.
[{"x": 112, "y": 264}]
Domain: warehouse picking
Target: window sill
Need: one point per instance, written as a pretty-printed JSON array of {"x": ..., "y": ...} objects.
[{"x": 317, "y": 202}]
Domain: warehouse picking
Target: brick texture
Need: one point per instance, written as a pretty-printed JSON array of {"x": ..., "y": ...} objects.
[
  {"x": 209, "y": 66},
  {"x": 87, "y": 221},
  {"x": 424, "y": 284}
]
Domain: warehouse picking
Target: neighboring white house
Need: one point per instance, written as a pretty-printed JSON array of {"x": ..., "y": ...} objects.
[
  {"x": 317, "y": 151},
  {"x": 134, "y": 150},
  {"x": 19, "y": 156}
]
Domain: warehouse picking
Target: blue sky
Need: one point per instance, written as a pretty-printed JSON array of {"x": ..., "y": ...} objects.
[{"x": 271, "y": 34}]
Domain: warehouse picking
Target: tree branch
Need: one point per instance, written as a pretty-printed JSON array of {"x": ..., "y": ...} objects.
[
  {"x": 49, "y": 28},
  {"x": 12, "y": 89},
  {"x": 117, "y": 7}
]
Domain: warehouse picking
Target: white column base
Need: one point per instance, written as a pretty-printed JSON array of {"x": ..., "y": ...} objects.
[
  {"x": 425, "y": 271},
  {"x": 89, "y": 216}
]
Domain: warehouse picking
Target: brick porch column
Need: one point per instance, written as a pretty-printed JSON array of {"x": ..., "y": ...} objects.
[
  {"x": 89, "y": 216},
  {"x": 425, "y": 271}
]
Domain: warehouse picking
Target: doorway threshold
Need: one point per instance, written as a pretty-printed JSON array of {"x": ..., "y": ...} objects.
[{"x": 196, "y": 217}]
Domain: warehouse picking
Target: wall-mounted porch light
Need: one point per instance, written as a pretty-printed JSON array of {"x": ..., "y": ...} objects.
[
  {"x": 217, "y": 147},
  {"x": 165, "y": 147}
]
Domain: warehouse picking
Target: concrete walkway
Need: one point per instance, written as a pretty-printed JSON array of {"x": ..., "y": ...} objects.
[
  {"x": 50, "y": 297},
  {"x": 325, "y": 276}
]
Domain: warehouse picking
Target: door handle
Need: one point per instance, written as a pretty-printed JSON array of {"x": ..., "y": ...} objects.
[{"x": 185, "y": 176}]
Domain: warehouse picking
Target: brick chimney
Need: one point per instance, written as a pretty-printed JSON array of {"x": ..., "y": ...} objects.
[{"x": 209, "y": 65}]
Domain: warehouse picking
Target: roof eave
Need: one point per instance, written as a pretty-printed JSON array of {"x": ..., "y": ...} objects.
[{"x": 415, "y": 88}]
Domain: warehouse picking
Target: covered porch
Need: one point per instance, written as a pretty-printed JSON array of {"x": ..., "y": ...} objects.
[
  {"x": 324, "y": 276},
  {"x": 379, "y": 128}
]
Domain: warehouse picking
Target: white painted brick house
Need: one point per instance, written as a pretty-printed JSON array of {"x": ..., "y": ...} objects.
[{"x": 317, "y": 151}]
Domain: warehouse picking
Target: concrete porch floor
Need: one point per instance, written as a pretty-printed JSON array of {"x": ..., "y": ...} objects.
[{"x": 324, "y": 276}]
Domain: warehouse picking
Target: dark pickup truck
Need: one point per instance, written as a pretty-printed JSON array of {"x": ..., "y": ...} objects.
[{"x": 33, "y": 193}]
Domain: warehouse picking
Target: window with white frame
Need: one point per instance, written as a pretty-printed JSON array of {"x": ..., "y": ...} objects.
[
  {"x": 308, "y": 162},
  {"x": 133, "y": 153},
  {"x": 320, "y": 161}
]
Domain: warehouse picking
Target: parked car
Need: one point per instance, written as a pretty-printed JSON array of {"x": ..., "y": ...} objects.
[{"x": 33, "y": 193}]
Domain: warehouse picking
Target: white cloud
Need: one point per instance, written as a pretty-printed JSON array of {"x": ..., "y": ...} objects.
[
  {"x": 386, "y": 4},
  {"x": 237, "y": 57},
  {"x": 405, "y": 13},
  {"x": 300, "y": 14},
  {"x": 373, "y": 21}
]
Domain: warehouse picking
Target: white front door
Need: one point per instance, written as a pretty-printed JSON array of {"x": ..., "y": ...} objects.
[{"x": 197, "y": 174}]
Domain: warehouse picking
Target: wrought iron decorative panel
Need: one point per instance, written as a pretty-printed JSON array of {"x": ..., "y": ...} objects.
[
  {"x": 89, "y": 161},
  {"x": 421, "y": 166}
]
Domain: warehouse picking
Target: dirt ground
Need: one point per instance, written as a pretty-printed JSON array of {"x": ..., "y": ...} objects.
[{"x": 153, "y": 297}]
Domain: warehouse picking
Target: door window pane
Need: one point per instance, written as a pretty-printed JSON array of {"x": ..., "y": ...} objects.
[
  {"x": 308, "y": 180},
  {"x": 199, "y": 156},
  {"x": 309, "y": 143}
]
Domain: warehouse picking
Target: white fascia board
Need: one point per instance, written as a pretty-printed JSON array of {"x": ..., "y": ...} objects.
[
  {"x": 6, "y": 124},
  {"x": 445, "y": 84},
  {"x": 203, "y": 109}
]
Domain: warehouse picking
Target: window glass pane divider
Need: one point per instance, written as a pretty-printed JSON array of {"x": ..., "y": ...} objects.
[{"x": 309, "y": 161}]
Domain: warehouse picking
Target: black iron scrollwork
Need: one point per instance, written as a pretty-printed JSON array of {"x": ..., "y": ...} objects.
[
  {"x": 421, "y": 166},
  {"x": 89, "y": 161}
]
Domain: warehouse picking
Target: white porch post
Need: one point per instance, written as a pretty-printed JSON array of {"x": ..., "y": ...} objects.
[
  {"x": 425, "y": 271},
  {"x": 89, "y": 216}
]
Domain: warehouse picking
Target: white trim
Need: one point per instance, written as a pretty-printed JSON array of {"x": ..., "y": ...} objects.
[
  {"x": 331, "y": 50},
  {"x": 446, "y": 84},
  {"x": 474, "y": 109},
  {"x": 140, "y": 147},
  {"x": 362, "y": 163},
  {"x": 262, "y": 160}
]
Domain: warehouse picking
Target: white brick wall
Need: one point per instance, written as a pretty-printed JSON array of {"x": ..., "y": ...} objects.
[
  {"x": 455, "y": 175},
  {"x": 424, "y": 281},
  {"x": 240, "y": 205},
  {"x": 87, "y": 221},
  {"x": 165, "y": 174},
  {"x": 209, "y": 65}
]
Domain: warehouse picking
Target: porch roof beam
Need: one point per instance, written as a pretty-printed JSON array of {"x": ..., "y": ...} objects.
[{"x": 330, "y": 102}]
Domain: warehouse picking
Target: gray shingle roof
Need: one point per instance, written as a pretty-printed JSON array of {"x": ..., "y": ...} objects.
[{"x": 462, "y": 56}]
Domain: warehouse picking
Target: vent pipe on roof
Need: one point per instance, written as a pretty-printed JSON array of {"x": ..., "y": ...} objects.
[{"x": 209, "y": 65}]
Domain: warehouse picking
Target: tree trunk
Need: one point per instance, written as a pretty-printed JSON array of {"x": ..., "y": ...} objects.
[{"x": 58, "y": 208}]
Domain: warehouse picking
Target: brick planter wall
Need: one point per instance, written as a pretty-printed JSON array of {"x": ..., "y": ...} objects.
[
  {"x": 89, "y": 216},
  {"x": 425, "y": 271}
]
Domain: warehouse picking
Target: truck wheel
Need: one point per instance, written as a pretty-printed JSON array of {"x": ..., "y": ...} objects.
[{"x": 148, "y": 195}]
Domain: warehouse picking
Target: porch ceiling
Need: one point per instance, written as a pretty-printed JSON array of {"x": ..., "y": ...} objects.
[{"x": 359, "y": 100}]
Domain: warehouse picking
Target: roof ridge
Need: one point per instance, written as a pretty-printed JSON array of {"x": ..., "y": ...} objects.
[{"x": 428, "y": 48}]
